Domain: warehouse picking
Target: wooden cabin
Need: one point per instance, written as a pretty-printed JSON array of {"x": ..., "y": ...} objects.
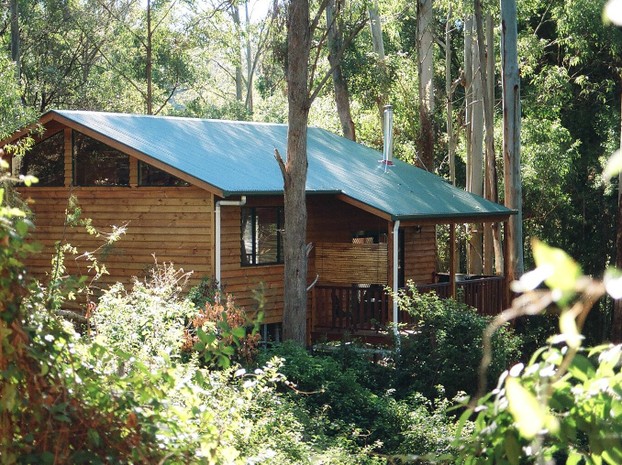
[{"x": 207, "y": 196}]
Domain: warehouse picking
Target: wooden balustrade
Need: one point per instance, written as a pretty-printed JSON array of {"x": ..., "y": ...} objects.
[{"x": 364, "y": 308}]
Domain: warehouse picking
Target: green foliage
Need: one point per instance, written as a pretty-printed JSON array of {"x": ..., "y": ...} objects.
[
  {"x": 563, "y": 404},
  {"x": 445, "y": 347},
  {"x": 51, "y": 405},
  {"x": 13, "y": 115},
  {"x": 207, "y": 291},
  {"x": 538, "y": 413},
  {"x": 345, "y": 394},
  {"x": 149, "y": 321}
]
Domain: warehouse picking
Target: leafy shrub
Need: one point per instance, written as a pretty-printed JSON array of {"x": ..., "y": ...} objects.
[
  {"x": 52, "y": 405},
  {"x": 220, "y": 334},
  {"x": 207, "y": 291},
  {"x": 338, "y": 394},
  {"x": 540, "y": 416},
  {"x": 445, "y": 347},
  {"x": 149, "y": 320}
]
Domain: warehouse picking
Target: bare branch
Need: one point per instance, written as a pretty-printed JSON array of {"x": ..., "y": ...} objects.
[
  {"x": 346, "y": 43},
  {"x": 281, "y": 163}
]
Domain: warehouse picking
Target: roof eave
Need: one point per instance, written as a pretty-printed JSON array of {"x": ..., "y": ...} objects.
[{"x": 477, "y": 217}]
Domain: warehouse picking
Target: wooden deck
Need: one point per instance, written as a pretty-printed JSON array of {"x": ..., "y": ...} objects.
[{"x": 366, "y": 310}]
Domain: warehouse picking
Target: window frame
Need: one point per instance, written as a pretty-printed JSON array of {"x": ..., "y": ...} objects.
[
  {"x": 76, "y": 160},
  {"x": 251, "y": 212},
  {"x": 177, "y": 182},
  {"x": 59, "y": 171}
]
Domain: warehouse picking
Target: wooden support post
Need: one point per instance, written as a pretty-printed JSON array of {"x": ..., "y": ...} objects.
[
  {"x": 506, "y": 259},
  {"x": 390, "y": 240},
  {"x": 68, "y": 155},
  {"x": 452, "y": 260}
]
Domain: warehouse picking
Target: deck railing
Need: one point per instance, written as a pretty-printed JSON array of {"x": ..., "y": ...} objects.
[{"x": 364, "y": 308}]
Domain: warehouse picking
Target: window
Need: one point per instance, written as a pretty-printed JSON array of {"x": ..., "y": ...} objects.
[
  {"x": 262, "y": 235},
  {"x": 46, "y": 161},
  {"x": 97, "y": 164},
  {"x": 151, "y": 176}
]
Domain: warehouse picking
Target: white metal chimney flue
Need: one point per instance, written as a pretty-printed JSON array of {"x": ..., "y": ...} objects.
[{"x": 387, "y": 128}]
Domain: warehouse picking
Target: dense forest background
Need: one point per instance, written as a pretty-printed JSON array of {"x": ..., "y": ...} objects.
[
  {"x": 226, "y": 59},
  {"x": 155, "y": 374}
]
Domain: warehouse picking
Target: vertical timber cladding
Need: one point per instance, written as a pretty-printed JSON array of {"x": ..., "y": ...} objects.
[
  {"x": 240, "y": 281},
  {"x": 172, "y": 224}
]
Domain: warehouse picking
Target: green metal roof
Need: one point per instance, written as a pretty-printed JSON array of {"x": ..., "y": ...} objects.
[{"x": 238, "y": 159}]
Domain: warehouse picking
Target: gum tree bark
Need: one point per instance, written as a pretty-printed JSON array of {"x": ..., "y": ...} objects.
[
  {"x": 294, "y": 171},
  {"x": 492, "y": 245},
  {"x": 342, "y": 95},
  {"x": 511, "y": 137},
  {"x": 425, "y": 61}
]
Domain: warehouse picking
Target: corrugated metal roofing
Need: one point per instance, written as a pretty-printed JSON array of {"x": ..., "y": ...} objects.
[{"x": 238, "y": 158}]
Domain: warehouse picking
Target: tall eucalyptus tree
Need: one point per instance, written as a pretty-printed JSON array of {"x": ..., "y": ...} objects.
[
  {"x": 511, "y": 136},
  {"x": 303, "y": 87}
]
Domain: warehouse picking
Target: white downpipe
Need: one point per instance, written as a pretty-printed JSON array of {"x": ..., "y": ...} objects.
[
  {"x": 396, "y": 233},
  {"x": 226, "y": 203}
]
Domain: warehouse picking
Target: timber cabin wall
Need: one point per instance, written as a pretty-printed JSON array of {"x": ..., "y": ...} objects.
[
  {"x": 241, "y": 280},
  {"x": 172, "y": 223},
  {"x": 420, "y": 254}
]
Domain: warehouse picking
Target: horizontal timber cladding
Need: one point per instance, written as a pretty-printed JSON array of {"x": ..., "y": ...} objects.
[
  {"x": 172, "y": 225},
  {"x": 420, "y": 253},
  {"x": 243, "y": 282}
]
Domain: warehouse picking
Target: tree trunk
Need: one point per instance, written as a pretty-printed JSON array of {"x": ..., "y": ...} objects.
[
  {"x": 451, "y": 141},
  {"x": 342, "y": 95},
  {"x": 616, "y": 323},
  {"x": 149, "y": 68},
  {"x": 15, "y": 39},
  {"x": 249, "y": 63},
  {"x": 485, "y": 49},
  {"x": 425, "y": 62},
  {"x": 295, "y": 173},
  {"x": 235, "y": 15},
  {"x": 475, "y": 172},
  {"x": 511, "y": 136},
  {"x": 494, "y": 193}
]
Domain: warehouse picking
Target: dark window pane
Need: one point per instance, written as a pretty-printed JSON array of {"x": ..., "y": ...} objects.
[
  {"x": 46, "y": 161},
  {"x": 261, "y": 235},
  {"x": 151, "y": 176},
  {"x": 97, "y": 164}
]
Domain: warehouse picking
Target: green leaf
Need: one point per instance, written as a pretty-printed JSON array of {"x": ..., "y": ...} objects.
[
  {"x": 512, "y": 448},
  {"x": 224, "y": 361},
  {"x": 574, "y": 458},
  {"x": 530, "y": 416},
  {"x": 561, "y": 271},
  {"x": 581, "y": 368},
  {"x": 614, "y": 164},
  {"x": 239, "y": 332}
]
